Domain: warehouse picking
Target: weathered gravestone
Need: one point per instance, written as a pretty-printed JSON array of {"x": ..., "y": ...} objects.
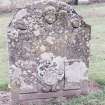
[{"x": 48, "y": 53}]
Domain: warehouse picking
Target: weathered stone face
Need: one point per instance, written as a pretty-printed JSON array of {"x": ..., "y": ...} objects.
[{"x": 49, "y": 47}]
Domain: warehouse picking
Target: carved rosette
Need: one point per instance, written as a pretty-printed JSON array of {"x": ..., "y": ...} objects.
[{"x": 50, "y": 69}]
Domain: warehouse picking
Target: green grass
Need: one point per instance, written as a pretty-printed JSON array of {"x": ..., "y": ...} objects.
[
  {"x": 93, "y": 15},
  {"x": 4, "y": 20},
  {"x": 92, "y": 99}
]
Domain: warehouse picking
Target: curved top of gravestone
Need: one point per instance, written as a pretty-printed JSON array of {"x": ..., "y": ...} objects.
[
  {"x": 47, "y": 12},
  {"x": 47, "y": 20}
]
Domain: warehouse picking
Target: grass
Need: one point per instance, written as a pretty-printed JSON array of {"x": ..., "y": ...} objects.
[
  {"x": 93, "y": 15},
  {"x": 4, "y": 20},
  {"x": 92, "y": 99}
]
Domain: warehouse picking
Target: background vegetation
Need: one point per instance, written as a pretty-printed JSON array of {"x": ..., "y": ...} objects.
[
  {"x": 92, "y": 99},
  {"x": 95, "y": 16}
]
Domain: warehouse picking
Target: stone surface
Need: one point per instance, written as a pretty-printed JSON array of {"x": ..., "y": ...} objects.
[{"x": 48, "y": 45}]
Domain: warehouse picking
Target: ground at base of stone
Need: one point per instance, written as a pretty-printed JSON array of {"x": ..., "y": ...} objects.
[{"x": 5, "y": 97}]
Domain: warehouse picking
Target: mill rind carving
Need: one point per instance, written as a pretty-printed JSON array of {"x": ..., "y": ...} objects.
[{"x": 48, "y": 45}]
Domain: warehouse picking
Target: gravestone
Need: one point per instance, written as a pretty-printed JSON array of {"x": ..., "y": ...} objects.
[{"x": 48, "y": 45}]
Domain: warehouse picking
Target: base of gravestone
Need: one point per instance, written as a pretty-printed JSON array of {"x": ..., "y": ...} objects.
[{"x": 50, "y": 98}]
